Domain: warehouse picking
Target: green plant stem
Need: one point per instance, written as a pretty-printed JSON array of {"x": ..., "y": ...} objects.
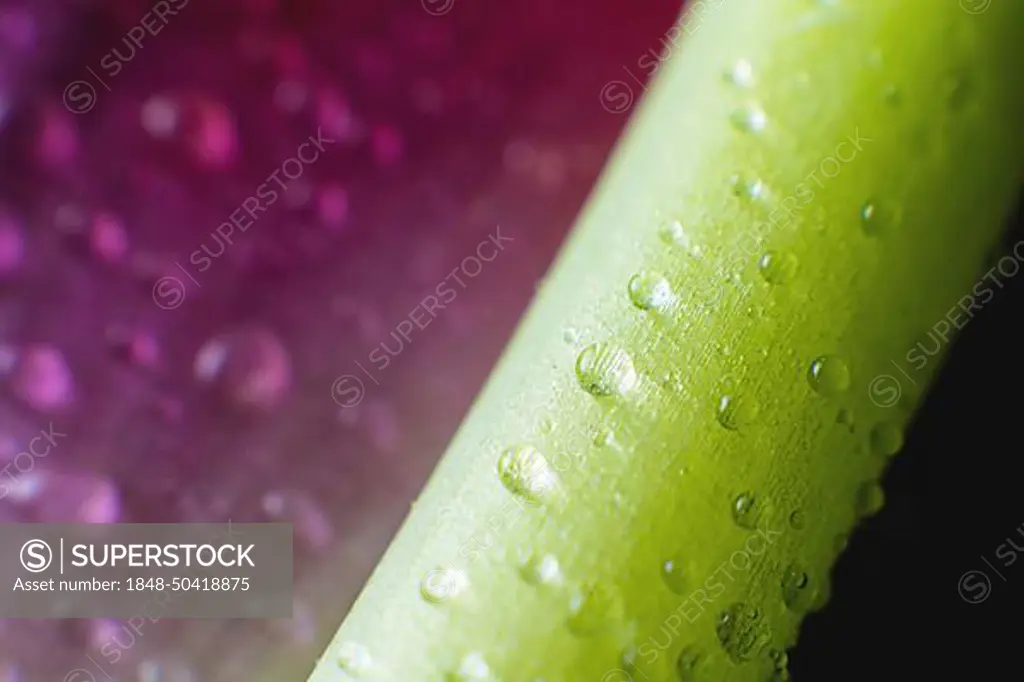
[{"x": 837, "y": 200}]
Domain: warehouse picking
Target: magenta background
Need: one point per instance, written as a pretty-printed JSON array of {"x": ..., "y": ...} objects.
[{"x": 488, "y": 115}]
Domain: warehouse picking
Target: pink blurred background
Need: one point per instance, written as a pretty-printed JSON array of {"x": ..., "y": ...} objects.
[{"x": 206, "y": 388}]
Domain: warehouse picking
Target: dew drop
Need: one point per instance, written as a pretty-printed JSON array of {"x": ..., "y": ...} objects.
[
  {"x": 877, "y": 218},
  {"x": 867, "y": 216},
  {"x": 796, "y": 591},
  {"x": 541, "y": 569},
  {"x": 749, "y": 119},
  {"x": 741, "y": 632},
  {"x": 886, "y": 439},
  {"x": 250, "y": 368},
  {"x": 686, "y": 664},
  {"x": 673, "y": 233},
  {"x": 741, "y": 74},
  {"x": 673, "y": 575},
  {"x": 442, "y": 584},
  {"x": 592, "y": 609},
  {"x": 797, "y": 521},
  {"x": 353, "y": 658},
  {"x": 777, "y": 268},
  {"x": 525, "y": 472},
  {"x": 746, "y": 511},
  {"x": 472, "y": 668},
  {"x": 650, "y": 291},
  {"x": 747, "y": 188},
  {"x": 829, "y": 376},
  {"x": 735, "y": 413},
  {"x": 603, "y": 370},
  {"x": 870, "y": 499}
]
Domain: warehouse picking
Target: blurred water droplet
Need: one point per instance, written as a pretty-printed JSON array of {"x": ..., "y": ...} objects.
[
  {"x": 442, "y": 584},
  {"x": 777, "y": 268},
  {"x": 797, "y": 521},
  {"x": 291, "y": 96},
  {"x": 674, "y": 576},
  {"x": 108, "y": 239},
  {"x": 42, "y": 379},
  {"x": 18, "y": 32},
  {"x": 672, "y": 232},
  {"x": 593, "y": 608},
  {"x": 747, "y": 188},
  {"x": 604, "y": 370},
  {"x": 541, "y": 569},
  {"x": 796, "y": 591},
  {"x": 382, "y": 426},
  {"x": 829, "y": 376},
  {"x": 212, "y": 133},
  {"x": 746, "y": 511},
  {"x": 877, "y": 218},
  {"x": 741, "y": 632},
  {"x": 332, "y": 205},
  {"x": 250, "y": 367},
  {"x": 735, "y": 412},
  {"x": 525, "y": 472},
  {"x": 161, "y": 117},
  {"x": 473, "y": 668},
  {"x": 210, "y": 359},
  {"x": 650, "y": 291},
  {"x": 354, "y": 658},
  {"x": 749, "y": 119},
  {"x": 741, "y": 74}
]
